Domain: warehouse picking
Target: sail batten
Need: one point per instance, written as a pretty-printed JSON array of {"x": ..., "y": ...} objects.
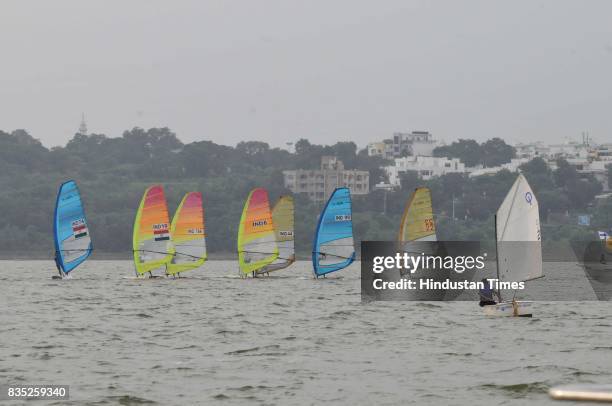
[
  {"x": 333, "y": 247},
  {"x": 518, "y": 236},
  {"x": 70, "y": 229},
  {"x": 257, "y": 245},
  {"x": 283, "y": 219},
  {"x": 152, "y": 243},
  {"x": 188, "y": 233}
]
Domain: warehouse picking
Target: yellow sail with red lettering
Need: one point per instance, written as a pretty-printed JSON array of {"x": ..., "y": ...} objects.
[{"x": 418, "y": 221}]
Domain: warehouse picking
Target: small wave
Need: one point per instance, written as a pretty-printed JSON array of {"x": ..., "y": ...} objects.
[
  {"x": 70, "y": 329},
  {"x": 583, "y": 373},
  {"x": 224, "y": 332},
  {"x": 254, "y": 349},
  {"x": 247, "y": 388},
  {"x": 519, "y": 388},
  {"x": 428, "y": 305},
  {"x": 188, "y": 347},
  {"x": 459, "y": 354},
  {"x": 45, "y": 347},
  {"x": 129, "y": 400}
]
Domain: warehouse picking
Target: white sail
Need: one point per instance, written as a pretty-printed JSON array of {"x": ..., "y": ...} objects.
[{"x": 519, "y": 245}]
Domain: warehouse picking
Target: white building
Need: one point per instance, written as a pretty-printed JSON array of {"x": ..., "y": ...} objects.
[
  {"x": 404, "y": 144},
  {"x": 382, "y": 149},
  {"x": 512, "y": 166},
  {"x": 414, "y": 143},
  {"x": 603, "y": 152},
  {"x": 569, "y": 149},
  {"x": 426, "y": 167}
]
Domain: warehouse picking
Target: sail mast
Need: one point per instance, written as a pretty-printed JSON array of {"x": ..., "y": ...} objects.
[{"x": 497, "y": 258}]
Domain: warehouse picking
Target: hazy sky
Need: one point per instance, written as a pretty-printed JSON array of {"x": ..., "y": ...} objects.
[{"x": 326, "y": 70}]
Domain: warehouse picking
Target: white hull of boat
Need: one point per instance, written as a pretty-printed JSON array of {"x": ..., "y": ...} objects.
[
  {"x": 523, "y": 309},
  {"x": 582, "y": 392}
]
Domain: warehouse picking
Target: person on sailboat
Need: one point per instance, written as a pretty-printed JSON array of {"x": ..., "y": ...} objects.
[{"x": 487, "y": 294}]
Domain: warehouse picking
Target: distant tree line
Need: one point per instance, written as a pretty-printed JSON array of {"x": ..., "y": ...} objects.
[
  {"x": 112, "y": 174},
  {"x": 493, "y": 152}
]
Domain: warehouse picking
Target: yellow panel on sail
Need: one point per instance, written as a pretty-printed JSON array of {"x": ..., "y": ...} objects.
[
  {"x": 152, "y": 245},
  {"x": 283, "y": 218},
  {"x": 188, "y": 235},
  {"x": 418, "y": 222},
  {"x": 608, "y": 244},
  {"x": 256, "y": 238}
]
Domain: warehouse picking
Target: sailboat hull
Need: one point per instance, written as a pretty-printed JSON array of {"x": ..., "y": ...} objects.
[{"x": 523, "y": 309}]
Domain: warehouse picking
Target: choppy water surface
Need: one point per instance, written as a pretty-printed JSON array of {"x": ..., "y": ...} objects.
[{"x": 287, "y": 339}]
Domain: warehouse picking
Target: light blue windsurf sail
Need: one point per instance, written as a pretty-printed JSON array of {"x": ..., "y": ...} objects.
[
  {"x": 72, "y": 241},
  {"x": 333, "y": 247}
]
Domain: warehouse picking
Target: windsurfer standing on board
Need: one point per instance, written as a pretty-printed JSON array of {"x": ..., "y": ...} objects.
[{"x": 487, "y": 294}]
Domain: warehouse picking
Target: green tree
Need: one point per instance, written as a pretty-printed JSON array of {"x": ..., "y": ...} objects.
[
  {"x": 468, "y": 151},
  {"x": 496, "y": 152}
]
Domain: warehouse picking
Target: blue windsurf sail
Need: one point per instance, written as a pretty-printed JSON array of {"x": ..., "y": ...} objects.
[
  {"x": 72, "y": 239},
  {"x": 333, "y": 247}
]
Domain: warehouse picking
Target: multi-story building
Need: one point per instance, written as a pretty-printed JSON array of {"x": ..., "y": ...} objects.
[
  {"x": 426, "y": 167},
  {"x": 404, "y": 144},
  {"x": 382, "y": 149},
  {"x": 319, "y": 184},
  {"x": 414, "y": 143},
  {"x": 603, "y": 152},
  {"x": 569, "y": 149}
]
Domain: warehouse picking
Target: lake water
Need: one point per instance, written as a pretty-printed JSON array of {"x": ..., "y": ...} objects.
[{"x": 283, "y": 340}]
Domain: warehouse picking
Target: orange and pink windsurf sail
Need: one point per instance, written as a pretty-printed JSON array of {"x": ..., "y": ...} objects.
[{"x": 152, "y": 244}]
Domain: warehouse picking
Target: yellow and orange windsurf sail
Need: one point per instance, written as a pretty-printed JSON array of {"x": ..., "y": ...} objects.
[
  {"x": 257, "y": 245},
  {"x": 152, "y": 244},
  {"x": 188, "y": 235}
]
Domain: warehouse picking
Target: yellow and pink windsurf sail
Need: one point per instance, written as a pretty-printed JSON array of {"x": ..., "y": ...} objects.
[
  {"x": 257, "y": 245},
  {"x": 152, "y": 244},
  {"x": 418, "y": 220},
  {"x": 188, "y": 235}
]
